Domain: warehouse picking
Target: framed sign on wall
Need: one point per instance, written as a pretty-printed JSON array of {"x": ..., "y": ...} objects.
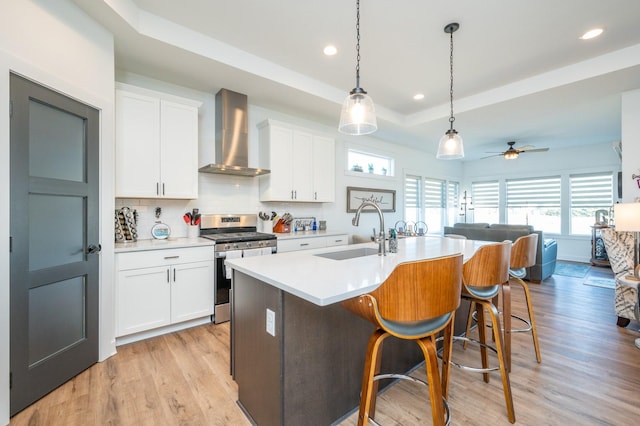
[{"x": 385, "y": 198}]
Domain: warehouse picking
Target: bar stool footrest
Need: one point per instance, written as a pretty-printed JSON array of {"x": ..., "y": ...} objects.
[
  {"x": 527, "y": 329},
  {"x": 467, "y": 367},
  {"x": 447, "y": 413}
]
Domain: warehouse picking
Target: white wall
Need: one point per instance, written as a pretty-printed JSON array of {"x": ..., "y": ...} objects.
[
  {"x": 630, "y": 145},
  {"x": 555, "y": 162},
  {"x": 57, "y": 45},
  {"x": 231, "y": 194}
]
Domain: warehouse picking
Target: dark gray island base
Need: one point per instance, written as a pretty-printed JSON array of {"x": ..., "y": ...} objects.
[{"x": 310, "y": 372}]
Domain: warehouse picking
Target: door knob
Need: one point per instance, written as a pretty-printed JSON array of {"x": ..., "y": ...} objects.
[{"x": 92, "y": 249}]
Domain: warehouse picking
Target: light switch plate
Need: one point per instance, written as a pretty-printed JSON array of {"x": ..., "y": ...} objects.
[{"x": 271, "y": 322}]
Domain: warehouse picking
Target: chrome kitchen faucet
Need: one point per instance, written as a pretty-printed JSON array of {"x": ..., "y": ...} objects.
[{"x": 380, "y": 238}]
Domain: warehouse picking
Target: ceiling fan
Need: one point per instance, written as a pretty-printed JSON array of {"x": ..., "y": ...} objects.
[{"x": 512, "y": 153}]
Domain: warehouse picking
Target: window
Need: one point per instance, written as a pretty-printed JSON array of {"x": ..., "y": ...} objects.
[
  {"x": 589, "y": 192},
  {"x": 359, "y": 161},
  {"x": 432, "y": 201},
  {"x": 435, "y": 196},
  {"x": 412, "y": 199},
  {"x": 535, "y": 202},
  {"x": 485, "y": 196},
  {"x": 453, "y": 194}
]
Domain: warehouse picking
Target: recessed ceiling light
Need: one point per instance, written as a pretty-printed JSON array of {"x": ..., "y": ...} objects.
[
  {"x": 591, "y": 34},
  {"x": 330, "y": 50},
  {"x": 418, "y": 96}
]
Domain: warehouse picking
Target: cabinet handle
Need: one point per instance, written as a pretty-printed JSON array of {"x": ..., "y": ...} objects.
[
  {"x": 171, "y": 257},
  {"x": 157, "y": 188},
  {"x": 337, "y": 241},
  {"x": 304, "y": 244},
  {"x": 174, "y": 275},
  {"x": 163, "y": 188},
  {"x": 315, "y": 195},
  {"x": 168, "y": 280}
]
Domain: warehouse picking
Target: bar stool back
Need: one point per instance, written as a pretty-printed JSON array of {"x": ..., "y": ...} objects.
[{"x": 416, "y": 302}]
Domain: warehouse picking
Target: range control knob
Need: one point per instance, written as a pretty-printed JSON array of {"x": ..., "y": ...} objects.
[{"x": 248, "y": 244}]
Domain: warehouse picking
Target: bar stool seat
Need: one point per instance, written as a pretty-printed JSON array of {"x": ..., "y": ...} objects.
[{"x": 416, "y": 302}]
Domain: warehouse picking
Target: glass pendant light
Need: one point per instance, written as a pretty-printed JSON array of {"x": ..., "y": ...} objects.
[
  {"x": 358, "y": 116},
  {"x": 450, "y": 146}
]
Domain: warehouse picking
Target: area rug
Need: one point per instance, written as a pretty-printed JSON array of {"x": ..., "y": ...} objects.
[
  {"x": 601, "y": 282},
  {"x": 577, "y": 270}
]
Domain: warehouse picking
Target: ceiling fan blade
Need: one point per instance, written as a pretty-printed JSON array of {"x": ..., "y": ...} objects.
[
  {"x": 525, "y": 148},
  {"x": 500, "y": 154},
  {"x": 536, "y": 150}
]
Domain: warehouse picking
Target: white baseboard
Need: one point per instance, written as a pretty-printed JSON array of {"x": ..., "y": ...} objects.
[{"x": 161, "y": 330}]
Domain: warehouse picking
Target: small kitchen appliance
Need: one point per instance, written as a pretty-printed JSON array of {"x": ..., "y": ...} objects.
[{"x": 235, "y": 236}]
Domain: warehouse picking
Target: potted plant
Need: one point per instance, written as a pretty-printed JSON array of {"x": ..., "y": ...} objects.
[
  {"x": 356, "y": 168},
  {"x": 370, "y": 167}
]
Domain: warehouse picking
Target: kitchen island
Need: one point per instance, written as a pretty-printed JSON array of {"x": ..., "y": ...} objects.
[{"x": 296, "y": 354}]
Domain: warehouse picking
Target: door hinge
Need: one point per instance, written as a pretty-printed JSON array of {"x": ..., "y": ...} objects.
[
  {"x": 10, "y": 244},
  {"x": 10, "y": 108},
  {"x": 10, "y": 380}
]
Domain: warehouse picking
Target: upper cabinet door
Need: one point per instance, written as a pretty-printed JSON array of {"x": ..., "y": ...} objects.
[
  {"x": 178, "y": 153},
  {"x": 137, "y": 145},
  {"x": 156, "y": 145},
  {"x": 324, "y": 169},
  {"x": 302, "y": 165}
]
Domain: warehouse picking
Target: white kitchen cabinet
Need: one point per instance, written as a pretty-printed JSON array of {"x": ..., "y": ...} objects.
[
  {"x": 302, "y": 164},
  {"x": 156, "y": 145},
  {"x": 162, "y": 287},
  {"x": 311, "y": 242},
  {"x": 324, "y": 176}
]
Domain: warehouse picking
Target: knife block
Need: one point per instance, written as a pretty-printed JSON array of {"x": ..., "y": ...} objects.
[{"x": 281, "y": 228}]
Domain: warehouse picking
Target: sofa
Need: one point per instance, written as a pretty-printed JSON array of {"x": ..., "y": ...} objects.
[
  {"x": 546, "y": 254},
  {"x": 620, "y": 250}
]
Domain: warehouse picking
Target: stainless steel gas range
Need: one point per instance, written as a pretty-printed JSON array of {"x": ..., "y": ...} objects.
[{"x": 235, "y": 236}]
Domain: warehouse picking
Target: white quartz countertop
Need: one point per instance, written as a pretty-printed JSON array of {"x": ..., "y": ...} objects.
[
  {"x": 307, "y": 234},
  {"x": 169, "y": 243},
  {"x": 324, "y": 281}
]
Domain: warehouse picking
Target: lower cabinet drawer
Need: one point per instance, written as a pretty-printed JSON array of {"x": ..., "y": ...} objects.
[
  {"x": 301, "y": 244},
  {"x": 337, "y": 240}
]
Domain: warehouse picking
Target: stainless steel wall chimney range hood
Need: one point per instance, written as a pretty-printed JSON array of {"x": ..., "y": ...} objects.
[{"x": 232, "y": 138}]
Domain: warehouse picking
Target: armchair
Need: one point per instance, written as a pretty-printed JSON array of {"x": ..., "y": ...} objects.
[{"x": 620, "y": 249}]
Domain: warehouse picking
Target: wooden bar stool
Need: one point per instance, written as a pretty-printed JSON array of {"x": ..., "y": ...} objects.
[
  {"x": 416, "y": 302},
  {"x": 483, "y": 277},
  {"x": 523, "y": 255}
]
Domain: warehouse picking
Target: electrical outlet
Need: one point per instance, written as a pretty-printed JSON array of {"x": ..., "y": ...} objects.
[{"x": 271, "y": 322}]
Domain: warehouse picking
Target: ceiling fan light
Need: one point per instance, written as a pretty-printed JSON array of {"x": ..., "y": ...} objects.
[
  {"x": 450, "y": 146},
  {"x": 510, "y": 155},
  {"x": 358, "y": 116}
]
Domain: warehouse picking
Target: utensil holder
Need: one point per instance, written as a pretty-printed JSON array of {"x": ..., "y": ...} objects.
[
  {"x": 193, "y": 231},
  {"x": 267, "y": 226}
]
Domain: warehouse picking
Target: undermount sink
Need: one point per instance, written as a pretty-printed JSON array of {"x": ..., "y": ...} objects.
[{"x": 349, "y": 254}]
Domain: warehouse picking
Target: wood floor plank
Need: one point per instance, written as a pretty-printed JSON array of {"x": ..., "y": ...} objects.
[{"x": 590, "y": 375}]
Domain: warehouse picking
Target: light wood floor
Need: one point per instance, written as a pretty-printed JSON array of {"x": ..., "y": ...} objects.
[{"x": 590, "y": 375}]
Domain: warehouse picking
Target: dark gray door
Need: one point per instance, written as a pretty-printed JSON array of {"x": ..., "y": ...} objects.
[{"x": 54, "y": 240}]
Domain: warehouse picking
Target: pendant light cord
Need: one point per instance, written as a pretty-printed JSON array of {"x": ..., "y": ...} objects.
[
  {"x": 358, "y": 44},
  {"x": 451, "y": 118}
]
